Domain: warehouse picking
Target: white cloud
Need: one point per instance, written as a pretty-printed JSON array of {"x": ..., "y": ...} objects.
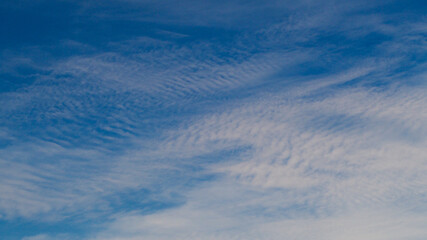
[
  {"x": 311, "y": 159},
  {"x": 349, "y": 163}
]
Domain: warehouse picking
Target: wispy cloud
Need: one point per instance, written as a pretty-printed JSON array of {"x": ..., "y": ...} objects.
[
  {"x": 217, "y": 120},
  {"x": 305, "y": 168}
]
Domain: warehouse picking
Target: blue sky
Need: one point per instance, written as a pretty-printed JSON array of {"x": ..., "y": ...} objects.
[{"x": 217, "y": 120}]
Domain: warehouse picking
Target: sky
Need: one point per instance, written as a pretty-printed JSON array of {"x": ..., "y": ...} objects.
[{"x": 213, "y": 120}]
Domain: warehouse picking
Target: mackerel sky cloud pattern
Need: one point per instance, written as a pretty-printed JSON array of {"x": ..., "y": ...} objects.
[{"x": 128, "y": 120}]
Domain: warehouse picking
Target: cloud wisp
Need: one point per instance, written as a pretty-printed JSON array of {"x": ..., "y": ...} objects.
[
  {"x": 347, "y": 165},
  {"x": 251, "y": 120}
]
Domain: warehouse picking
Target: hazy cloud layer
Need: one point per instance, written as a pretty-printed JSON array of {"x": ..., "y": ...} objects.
[{"x": 213, "y": 120}]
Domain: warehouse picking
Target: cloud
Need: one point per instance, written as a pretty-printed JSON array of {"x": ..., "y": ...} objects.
[
  {"x": 48, "y": 237},
  {"x": 304, "y": 126},
  {"x": 348, "y": 163}
]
